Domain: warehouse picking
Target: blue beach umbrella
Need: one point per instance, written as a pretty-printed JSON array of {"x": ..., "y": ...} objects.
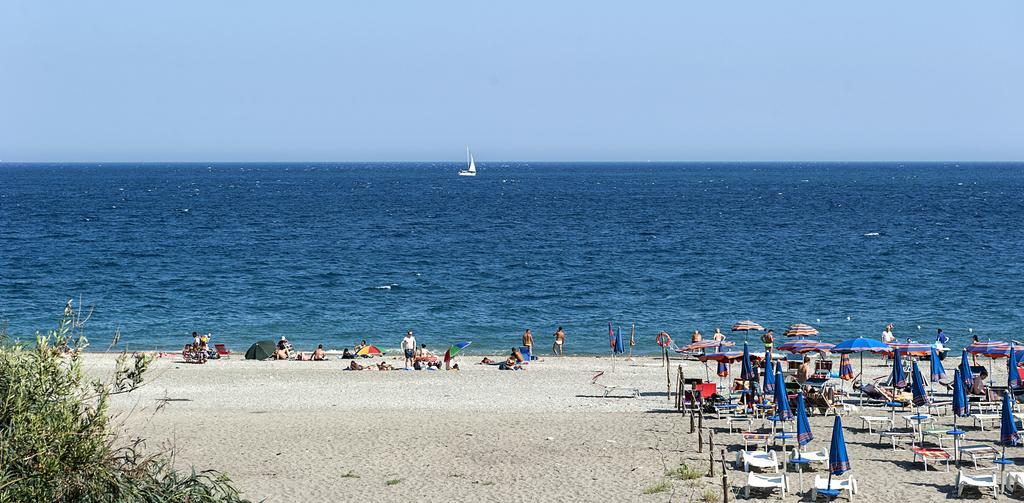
[
  {"x": 898, "y": 378},
  {"x": 782, "y": 410},
  {"x": 618, "y": 349},
  {"x": 1007, "y": 426},
  {"x": 723, "y": 367},
  {"x": 769, "y": 377},
  {"x": 965, "y": 369},
  {"x": 838, "y": 461},
  {"x": 961, "y": 407},
  {"x": 1012, "y": 377},
  {"x": 938, "y": 373},
  {"x": 860, "y": 345},
  {"x": 746, "y": 371},
  {"x": 803, "y": 426}
]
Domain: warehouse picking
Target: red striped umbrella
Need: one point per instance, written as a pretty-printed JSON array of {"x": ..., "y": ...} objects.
[
  {"x": 801, "y": 346},
  {"x": 800, "y": 330},
  {"x": 910, "y": 349},
  {"x": 702, "y": 345},
  {"x": 746, "y": 326},
  {"x": 845, "y": 367},
  {"x": 980, "y": 347}
]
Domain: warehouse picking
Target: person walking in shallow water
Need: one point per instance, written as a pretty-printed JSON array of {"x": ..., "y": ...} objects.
[
  {"x": 556, "y": 349},
  {"x": 528, "y": 340}
]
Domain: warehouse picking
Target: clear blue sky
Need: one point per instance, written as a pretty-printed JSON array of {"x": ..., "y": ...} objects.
[{"x": 524, "y": 80}]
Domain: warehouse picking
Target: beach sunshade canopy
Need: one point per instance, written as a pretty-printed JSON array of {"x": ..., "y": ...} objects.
[
  {"x": 800, "y": 330},
  {"x": 1007, "y": 426},
  {"x": 961, "y": 407},
  {"x": 782, "y": 410},
  {"x": 987, "y": 347},
  {"x": 454, "y": 349},
  {"x": 910, "y": 348},
  {"x": 838, "y": 460},
  {"x": 746, "y": 326},
  {"x": 1012, "y": 376},
  {"x": 260, "y": 350},
  {"x": 845, "y": 367},
  {"x": 965, "y": 369},
  {"x": 369, "y": 351},
  {"x": 898, "y": 378},
  {"x": 747, "y": 371},
  {"x": 917, "y": 387},
  {"x": 938, "y": 373},
  {"x": 769, "y": 376},
  {"x": 618, "y": 347},
  {"x": 1003, "y": 351},
  {"x": 801, "y": 346},
  {"x": 803, "y": 426},
  {"x": 861, "y": 344},
  {"x": 723, "y": 369},
  {"x": 702, "y": 345}
]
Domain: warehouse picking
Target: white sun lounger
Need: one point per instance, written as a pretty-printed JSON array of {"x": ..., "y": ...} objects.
[
  {"x": 980, "y": 419},
  {"x": 758, "y": 459},
  {"x": 869, "y": 421},
  {"x": 761, "y": 481},
  {"x": 606, "y": 389},
  {"x": 1011, "y": 481},
  {"x": 813, "y": 456},
  {"x": 979, "y": 481},
  {"x": 822, "y": 483}
]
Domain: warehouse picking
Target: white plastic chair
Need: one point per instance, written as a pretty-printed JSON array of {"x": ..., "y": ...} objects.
[
  {"x": 758, "y": 459},
  {"x": 761, "y": 481},
  {"x": 813, "y": 456},
  {"x": 980, "y": 481},
  {"x": 822, "y": 483}
]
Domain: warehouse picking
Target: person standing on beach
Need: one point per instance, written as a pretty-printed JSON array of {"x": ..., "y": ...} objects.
[
  {"x": 718, "y": 336},
  {"x": 769, "y": 340},
  {"x": 409, "y": 348},
  {"x": 887, "y": 336},
  {"x": 559, "y": 341},
  {"x": 528, "y": 340}
]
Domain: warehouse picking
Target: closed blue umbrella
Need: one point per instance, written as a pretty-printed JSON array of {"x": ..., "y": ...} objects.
[
  {"x": 618, "y": 341},
  {"x": 746, "y": 371},
  {"x": 1007, "y": 426},
  {"x": 917, "y": 387},
  {"x": 898, "y": 379},
  {"x": 1013, "y": 378},
  {"x": 782, "y": 410},
  {"x": 769, "y": 376},
  {"x": 838, "y": 461},
  {"x": 803, "y": 427},
  {"x": 961, "y": 407},
  {"x": 938, "y": 373},
  {"x": 965, "y": 369}
]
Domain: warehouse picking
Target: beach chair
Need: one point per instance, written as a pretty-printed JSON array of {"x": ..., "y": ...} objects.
[
  {"x": 222, "y": 350},
  {"x": 736, "y": 421},
  {"x": 848, "y": 484},
  {"x": 979, "y": 481},
  {"x": 758, "y": 440},
  {"x": 760, "y": 481},
  {"x": 607, "y": 390},
  {"x": 869, "y": 421},
  {"x": 1011, "y": 481},
  {"x": 763, "y": 460},
  {"x": 981, "y": 419},
  {"x": 812, "y": 456},
  {"x": 896, "y": 437},
  {"x": 977, "y": 452},
  {"x": 933, "y": 454}
]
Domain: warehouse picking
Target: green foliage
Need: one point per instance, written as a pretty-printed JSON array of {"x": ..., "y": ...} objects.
[
  {"x": 660, "y": 487},
  {"x": 391, "y": 482},
  {"x": 55, "y": 444},
  {"x": 683, "y": 472}
]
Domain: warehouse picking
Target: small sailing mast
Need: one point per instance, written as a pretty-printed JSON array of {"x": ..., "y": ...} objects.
[{"x": 471, "y": 171}]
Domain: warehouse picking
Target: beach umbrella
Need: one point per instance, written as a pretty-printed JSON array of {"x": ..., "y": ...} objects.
[
  {"x": 747, "y": 371},
  {"x": 860, "y": 345},
  {"x": 453, "y": 350},
  {"x": 838, "y": 460},
  {"x": 693, "y": 346},
  {"x": 746, "y": 326},
  {"x": 910, "y": 348},
  {"x": 782, "y": 410},
  {"x": 800, "y": 330},
  {"x": 1012, "y": 376},
  {"x": 611, "y": 337},
  {"x": 618, "y": 347},
  {"x": 723, "y": 369},
  {"x": 803, "y": 426},
  {"x": 898, "y": 378},
  {"x": 260, "y": 350},
  {"x": 801, "y": 346},
  {"x": 991, "y": 349},
  {"x": 961, "y": 408},
  {"x": 369, "y": 351},
  {"x": 938, "y": 373},
  {"x": 632, "y": 339},
  {"x": 965, "y": 369},
  {"x": 1007, "y": 431},
  {"x": 769, "y": 377},
  {"x": 920, "y": 396},
  {"x": 845, "y": 367}
]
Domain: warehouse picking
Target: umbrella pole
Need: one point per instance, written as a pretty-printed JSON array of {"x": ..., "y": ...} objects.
[{"x": 861, "y": 378}]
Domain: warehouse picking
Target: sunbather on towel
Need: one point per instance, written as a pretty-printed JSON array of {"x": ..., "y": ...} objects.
[
  {"x": 354, "y": 366},
  {"x": 318, "y": 354},
  {"x": 384, "y": 366},
  {"x": 510, "y": 363}
]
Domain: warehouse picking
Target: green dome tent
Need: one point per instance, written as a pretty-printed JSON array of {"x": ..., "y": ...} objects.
[{"x": 261, "y": 350}]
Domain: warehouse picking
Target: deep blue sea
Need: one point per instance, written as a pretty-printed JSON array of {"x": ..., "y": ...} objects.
[{"x": 334, "y": 253}]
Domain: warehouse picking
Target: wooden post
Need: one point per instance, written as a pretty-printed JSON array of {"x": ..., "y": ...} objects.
[
  {"x": 691, "y": 421},
  {"x": 725, "y": 480},
  {"x": 679, "y": 391},
  {"x": 711, "y": 452},
  {"x": 668, "y": 376},
  {"x": 700, "y": 433}
]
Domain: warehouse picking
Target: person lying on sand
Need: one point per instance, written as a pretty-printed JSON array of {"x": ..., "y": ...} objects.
[
  {"x": 384, "y": 366},
  {"x": 511, "y": 364},
  {"x": 318, "y": 354},
  {"x": 354, "y": 366},
  {"x": 486, "y": 361}
]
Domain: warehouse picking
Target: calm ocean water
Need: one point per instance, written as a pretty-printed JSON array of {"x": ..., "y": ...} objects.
[{"x": 335, "y": 253}]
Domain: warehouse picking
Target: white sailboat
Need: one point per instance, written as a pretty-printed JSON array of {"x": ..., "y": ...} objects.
[{"x": 471, "y": 170}]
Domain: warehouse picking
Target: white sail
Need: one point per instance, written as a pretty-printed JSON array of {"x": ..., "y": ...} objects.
[
  {"x": 471, "y": 170},
  {"x": 472, "y": 164}
]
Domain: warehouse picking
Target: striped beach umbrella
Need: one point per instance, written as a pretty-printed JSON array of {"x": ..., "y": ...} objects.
[
  {"x": 987, "y": 347},
  {"x": 746, "y": 326},
  {"x": 910, "y": 348},
  {"x": 800, "y": 330},
  {"x": 693, "y": 346},
  {"x": 723, "y": 369},
  {"x": 801, "y": 346},
  {"x": 769, "y": 377},
  {"x": 722, "y": 356},
  {"x": 938, "y": 373},
  {"x": 845, "y": 367},
  {"x": 898, "y": 378}
]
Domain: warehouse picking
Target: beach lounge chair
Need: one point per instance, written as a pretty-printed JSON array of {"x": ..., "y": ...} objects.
[
  {"x": 759, "y": 440},
  {"x": 737, "y": 421},
  {"x": 1011, "y": 481},
  {"x": 981, "y": 419},
  {"x": 760, "y": 481},
  {"x": 977, "y": 452},
  {"x": 932, "y": 454},
  {"x": 869, "y": 421},
  {"x": 896, "y": 437},
  {"x": 606, "y": 390},
  {"x": 979, "y": 481},
  {"x": 758, "y": 459},
  {"x": 222, "y": 350},
  {"x": 848, "y": 484}
]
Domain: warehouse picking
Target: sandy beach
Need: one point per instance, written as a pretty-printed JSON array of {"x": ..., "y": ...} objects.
[{"x": 309, "y": 431}]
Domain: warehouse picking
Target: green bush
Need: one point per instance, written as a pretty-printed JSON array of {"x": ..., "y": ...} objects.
[{"x": 55, "y": 444}]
